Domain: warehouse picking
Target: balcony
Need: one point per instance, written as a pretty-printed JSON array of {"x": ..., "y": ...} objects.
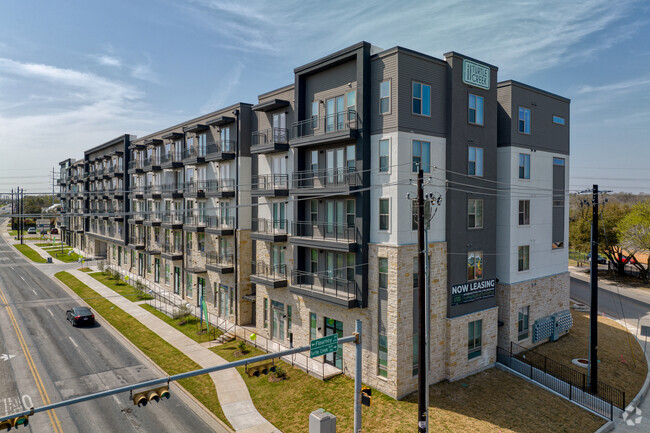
[
  {"x": 326, "y": 287},
  {"x": 221, "y": 188},
  {"x": 270, "y": 140},
  {"x": 171, "y": 160},
  {"x": 269, "y": 230},
  {"x": 221, "y": 151},
  {"x": 273, "y": 276},
  {"x": 194, "y": 189},
  {"x": 329, "y": 129},
  {"x": 338, "y": 237},
  {"x": 337, "y": 180},
  {"x": 220, "y": 263},
  {"x": 137, "y": 242},
  {"x": 221, "y": 226},
  {"x": 172, "y": 190},
  {"x": 138, "y": 192},
  {"x": 172, "y": 220},
  {"x": 195, "y": 223},
  {"x": 192, "y": 155},
  {"x": 171, "y": 251},
  {"x": 270, "y": 185},
  {"x": 153, "y": 219},
  {"x": 153, "y": 191},
  {"x": 136, "y": 218},
  {"x": 136, "y": 166}
]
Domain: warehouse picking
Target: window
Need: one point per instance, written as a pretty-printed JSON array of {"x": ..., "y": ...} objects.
[
  {"x": 475, "y": 213},
  {"x": 313, "y": 263},
  {"x": 350, "y": 212},
  {"x": 421, "y": 99},
  {"x": 474, "y": 330},
  {"x": 522, "y": 323},
  {"x": 313, "y": 205},
  {"x": 384, "y": 97},
  {"x": 384, "y": 153},
  {"x": 474, "y": 265},
  {"x": 314, "y": 114},
  {"x": 524, "y": 212},
  {"x": 167, "y": 275},
  {"x": 314, "y": 162},
  {"x": 266, "y": 313},
  {"x": 383, "y": 273},
  {"x": 351, "y": 101},
  {"x": 384, "y": 218},
  {"x": 558, "y": 120},
  {"x": 475, "y": 161},
  {"x": 312, "y": 326},
  {"x": 524, "y": 166},
  {"x": 524, "y": 120},
  {"x": 475, "y": 111},
  {"x": 524, "y": 258},
  {"x": 201, "y": 241},
  {"x": 421, "y": 155},
  {"x": 289, "y": 320},
  {"x": 188, "y": 284},
  {"x": 558, "y": 161},
  {"x": 382, "y": 354}
]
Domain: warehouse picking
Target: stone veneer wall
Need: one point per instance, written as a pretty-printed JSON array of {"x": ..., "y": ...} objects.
[
  {"x": 457, "y": 364},
  {"x": 544, "y": 296}
]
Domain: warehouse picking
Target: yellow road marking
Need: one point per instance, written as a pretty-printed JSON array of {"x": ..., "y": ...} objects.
[{"x": 54, "y": 420}]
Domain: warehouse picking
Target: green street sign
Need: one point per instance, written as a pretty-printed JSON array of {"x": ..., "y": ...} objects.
[{"x": 324, "y": 345}]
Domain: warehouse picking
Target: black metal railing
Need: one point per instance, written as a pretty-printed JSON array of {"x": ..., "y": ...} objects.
[
  {"x": 324, "y": 231},
  {"x": 270, "y": 136},
  {"x": 221, "y": 222},
  {"x": 173, "y": 217},
  {"x": 170, "y": 248},
  {"x": 189, "y": 153},
  {"x": 222, "y": 146},
  {"x": 270, "y": 227},
  {"x": 269, "y": 182},
  {"x": 172, "y": 188},
  {"x": 217, "y": 259},
  {"x": 324, "y": 283},
  {"x": 195, "y": 220},
  {"x": 271, "y": 272},
  {"x": 218, "y": 185},
  {"x": 318, "y": 125},
  {"x": 326, "y": 178},
  {"x": 136, "y": 240}
]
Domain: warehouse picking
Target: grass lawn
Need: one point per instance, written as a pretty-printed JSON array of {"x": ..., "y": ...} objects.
[
  {"x": 85, "y": 269},
  {"x": 65, "y": 257},
  {"x": 491, "y": 401},
  {"x": 617, "y": 350},
  {"x": 30, "y": 253},
  {"x": 49, "y": 244},
  {"x": 170, "y": 359},
  {"x": 190, "y": 326},
  {"x": 119, "y": 286},
  {"x": 15, "y": 232}
]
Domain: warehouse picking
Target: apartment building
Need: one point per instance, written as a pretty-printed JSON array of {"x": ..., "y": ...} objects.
[{"x": 293, "y": 215}]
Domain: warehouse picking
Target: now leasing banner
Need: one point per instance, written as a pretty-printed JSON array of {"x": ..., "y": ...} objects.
[{"x": 473, "y": 291}]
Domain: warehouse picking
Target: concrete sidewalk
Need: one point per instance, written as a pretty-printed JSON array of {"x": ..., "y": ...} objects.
[{"x": 233, "y": 394}]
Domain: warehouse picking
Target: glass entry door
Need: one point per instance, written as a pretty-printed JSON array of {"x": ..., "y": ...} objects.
[
  {"x": 177, "y": 280},
  {"x": 223, "y": 301},
  {"x": 334, "y": 327},
  {"x": 277, "y": 309}
]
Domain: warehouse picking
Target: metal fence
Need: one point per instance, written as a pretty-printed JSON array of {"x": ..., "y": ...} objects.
[{"x": 608, "y": 401}]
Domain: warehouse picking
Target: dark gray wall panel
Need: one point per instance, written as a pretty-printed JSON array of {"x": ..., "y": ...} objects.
[{"x": 381, "y": 69}]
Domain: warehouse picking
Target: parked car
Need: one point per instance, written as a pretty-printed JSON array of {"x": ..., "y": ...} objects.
[
  {"x": 80, "y": 316},
  {"x": 31, "y": 231},
  {"x": 602, "y": 260},
  {"x": 628, "y": 259},
  {"x": 54, "y": 231}
]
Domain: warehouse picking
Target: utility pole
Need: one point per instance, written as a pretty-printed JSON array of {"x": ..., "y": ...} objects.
[
  {"x": 53, "y": 182},
  {"x": 13, "y": 224},
  {"x": 593, "y": 315},
  {"x": 422, "y": 355},
  {"x": 22, "y": 216}
]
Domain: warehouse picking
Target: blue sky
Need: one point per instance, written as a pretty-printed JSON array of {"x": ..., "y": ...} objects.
[{"x": 74, "y": 74}]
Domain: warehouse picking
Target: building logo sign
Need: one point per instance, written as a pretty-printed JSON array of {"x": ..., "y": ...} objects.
[
  {"x": 470, "y": 292},
  {"x": 475, "y": 74}
]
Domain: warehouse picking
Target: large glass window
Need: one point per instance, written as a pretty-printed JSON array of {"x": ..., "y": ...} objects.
[
  {"x": 266, "y": 313},
  {"x": 421, "y": 99},
  {"x": 475, "y": 161},
  {"x": 475, "y": 213},
  {"x": 383, "y": 273},
  {"x": 384, "y": 215},
  {"x": 382, "y": 355},
  {"x": 524, "y": 120},
  {"x": 474, "y": 265},
  {"x": 421, "y": 155},
  {"x": 524, "y": 166},
  {"x": 475, "y": 111},
  {"x": 524, "y": 258},
  {"x": 384, "y": 155},
  {"x": 313, "y": 325},
  {"x": 558, "y": 120},
  {"x": 384, "y": 97},
  {"x": 314, "y": 114},
  {"x": 522, "y": 323},
  {"x": 474, "y": 331},
  {"x": 524, "y": 212}
]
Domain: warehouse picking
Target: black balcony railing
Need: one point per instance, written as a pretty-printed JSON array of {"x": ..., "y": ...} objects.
[
  {"x": 326, "y": 178},
  {"x": 270, "y": 136},
  {"x": 171, "y": 157},
  {"x": 173, "y": 217},
  {"x": 136, "y": 240},
  {"x": 217, "y": 259},
  {"x": 270, "y": 227},
  {"x": 324, "y": 283},
  {"x": 172, "y": 188},
  {"x": 267, "y": 271},
  {"x": 221, "y": 222},
  {"x": 195, "y": 220},
  {"x": 318, "y": 125},
  {"x": 269, "y": 182},
  {"x": 171, "y": 248},
  {"x": 219, "y": 185},
  {"x": 224, "y": 146},
  {"x": 324, "y": 231}
]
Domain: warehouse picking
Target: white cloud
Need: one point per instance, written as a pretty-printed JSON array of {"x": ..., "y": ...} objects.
[
  {"x": 623, "y": 86},
  {"x": 106, "y": 60}
]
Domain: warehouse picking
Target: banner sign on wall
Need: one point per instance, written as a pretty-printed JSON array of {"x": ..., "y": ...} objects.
[{"x": 473, "y": 291}]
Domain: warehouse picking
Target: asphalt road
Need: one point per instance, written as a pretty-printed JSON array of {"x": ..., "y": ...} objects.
[
  {"x": 620, "y": 307},
  {"x": 48, "y": 360}
]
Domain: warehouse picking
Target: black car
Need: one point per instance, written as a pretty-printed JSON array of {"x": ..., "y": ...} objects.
[
  {"x": 602, "y": 260},
  {"x": 80, "y": 316},
  {"x": 54, "y": 231}
]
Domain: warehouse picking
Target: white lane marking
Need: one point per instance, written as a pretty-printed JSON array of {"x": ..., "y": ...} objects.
[
  {"x": 75, "y": 344},
  {"x": 21, "y": 277},
  {"x": 117, "y": 400},
  {"x": 35, "y": 292},
  {"x": 48, "y": 310}
]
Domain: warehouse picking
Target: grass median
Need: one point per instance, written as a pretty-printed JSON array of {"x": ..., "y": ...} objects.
[
  {"x": 30, "y": 253},
  {"x": 119, "y": 286},
  {"x": 188, "y": 325},
  {"x": 66, "y": 257},
  {"x": 170, "y": 359},
  {"x": 490, "y": 401}
]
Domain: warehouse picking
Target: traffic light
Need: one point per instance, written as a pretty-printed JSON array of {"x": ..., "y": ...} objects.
[
  {"x": 141, "y": 398},
  {"x": 258, "y": 370},
  {"x": 8, "y": 424},
  {"x": 366, "y": 395}
]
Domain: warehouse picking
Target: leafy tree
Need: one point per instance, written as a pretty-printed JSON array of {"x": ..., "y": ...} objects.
[{"x": 635, "y": 234}]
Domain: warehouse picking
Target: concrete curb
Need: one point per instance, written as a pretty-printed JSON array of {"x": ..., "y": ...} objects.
[{"x": 206, "y": 412}]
